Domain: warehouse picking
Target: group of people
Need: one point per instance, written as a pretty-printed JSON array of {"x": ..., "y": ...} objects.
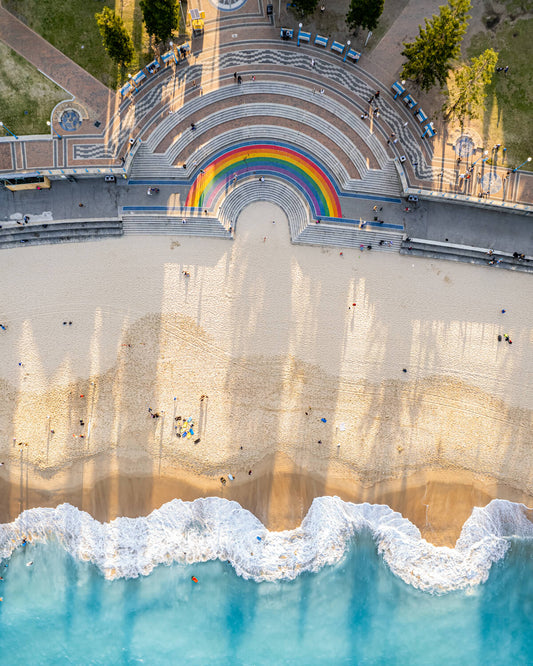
[{"x": 374, "y": 108}]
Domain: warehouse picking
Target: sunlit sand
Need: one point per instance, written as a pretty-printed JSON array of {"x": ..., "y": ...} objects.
[{"x": 268, "y": 331}]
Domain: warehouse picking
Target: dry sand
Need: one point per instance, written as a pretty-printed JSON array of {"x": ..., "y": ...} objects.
[{"x": 267, "y": 330}]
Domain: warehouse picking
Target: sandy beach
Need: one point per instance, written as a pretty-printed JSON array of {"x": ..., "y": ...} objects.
[{"x": 269, "y": 333}]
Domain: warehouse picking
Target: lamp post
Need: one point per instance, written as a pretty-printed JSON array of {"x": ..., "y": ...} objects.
[
  {"x": 8, "y": 130},
  {"x": 521, "y": 165},
  {"x": 52, "y": 130},
  {"x": 299, "y": 31},
  {"x": 347, "y": 49},
  {"x": 485, "y": 153}
]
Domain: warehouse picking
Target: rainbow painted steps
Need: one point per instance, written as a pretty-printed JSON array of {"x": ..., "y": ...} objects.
[{"x": 263, "y": 160}]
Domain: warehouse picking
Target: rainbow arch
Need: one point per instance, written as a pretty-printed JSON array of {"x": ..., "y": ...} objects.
[{"x": 264, "y": 159}]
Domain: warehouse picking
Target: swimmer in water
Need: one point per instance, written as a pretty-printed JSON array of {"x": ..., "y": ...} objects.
[{"x": 28, "y": 564}]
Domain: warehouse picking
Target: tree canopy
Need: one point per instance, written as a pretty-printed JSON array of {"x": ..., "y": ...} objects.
[
  {"x": 115, "y": 38},
  {"x": 364, "y": 14},
  {"x": 467, "y": 86},
  {"x": 160, "y": 17},
  {"x": 430, "y": 56},
  {"x": 304, "y": 7}
]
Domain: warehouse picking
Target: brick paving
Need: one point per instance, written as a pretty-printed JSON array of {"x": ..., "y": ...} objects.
[{"x": 39, "y": 153}]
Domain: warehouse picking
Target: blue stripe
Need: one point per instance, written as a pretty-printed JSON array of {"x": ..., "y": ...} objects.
[
  {"x": 368, "y": 224},
  {"x": 185, "y": 210},
  {"x": 365, "y": 197}
]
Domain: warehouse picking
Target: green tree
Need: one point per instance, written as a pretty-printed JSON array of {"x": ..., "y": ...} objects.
[
  {"x": 161, "y": 18},
  {"x": 116, "y": 39},
  {"x": 467, "y": 87},
  {"x": 304, "y": 7},
  {"x": 430, "y": 56},
  {"x": 364, "y": 14}
]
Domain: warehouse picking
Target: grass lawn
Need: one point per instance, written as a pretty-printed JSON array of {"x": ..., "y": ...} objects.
[
  {"x": 27, "y": 96},
  {"x": 508, "y": 117},
  {"x": 71, "y": 27}
]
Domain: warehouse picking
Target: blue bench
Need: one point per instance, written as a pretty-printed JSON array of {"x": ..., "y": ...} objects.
[
  {"x": 153, "y": 66},
  {"x": 321, "y": 41},
  {"x": 398, "y": 89},
  {"x": 185, "y": 49},
  {"x": 354, "y": 55},
  {"x": 167, "y": 57},
  {"x": 339, "y": 48},
  {"x": 410, "y": 102},
  {"x": 303, "y": 37},
  {"x": 140, "y": 76},
  {"x": 429, "y": 131},
  {"x": 421, "y": 116},
  {"x": 126, "y": 89},
  {"x": 286, "y": 33}
]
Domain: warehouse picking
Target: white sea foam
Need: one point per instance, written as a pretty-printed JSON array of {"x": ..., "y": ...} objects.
[{"x": 212, "y": 528}]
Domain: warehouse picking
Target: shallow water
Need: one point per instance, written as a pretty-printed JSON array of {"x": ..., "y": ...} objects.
[{"x": 61, "y": 610}]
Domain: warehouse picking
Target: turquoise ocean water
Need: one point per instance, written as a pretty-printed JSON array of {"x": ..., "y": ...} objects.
[{"x": 63, "y": 610}]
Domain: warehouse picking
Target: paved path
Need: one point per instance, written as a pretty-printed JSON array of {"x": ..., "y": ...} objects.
[
  {"x": 83, "y": 86},
  {"x": 464, "y": 225},
  {"x": 383, "y": 61}
]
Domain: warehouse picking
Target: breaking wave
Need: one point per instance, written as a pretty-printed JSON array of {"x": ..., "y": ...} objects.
[{"x": 215, "y": 528}]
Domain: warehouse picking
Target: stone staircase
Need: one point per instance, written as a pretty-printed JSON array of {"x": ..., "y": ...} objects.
[
  {"x": 350, "y": 83},
  {"x": 62, "y": 231},
  {"x": 286, "y": 91},
  {"x": 349, "y": 235},
  {"x": 419, "y": 247},
  {"x": 149, "y": 167},
  {"x": 155, "y": 224},
  {"x": 277, "y": 192}
]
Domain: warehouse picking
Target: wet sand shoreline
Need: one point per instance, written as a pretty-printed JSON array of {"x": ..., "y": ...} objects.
[{"x": 437, "y": 501}]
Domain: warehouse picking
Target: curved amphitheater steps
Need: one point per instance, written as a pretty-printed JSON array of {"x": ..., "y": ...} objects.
[
  {"x": 347, "y": 87},
  {"x": 282, "y": 106},
  {"x": 277, "y": 192}
]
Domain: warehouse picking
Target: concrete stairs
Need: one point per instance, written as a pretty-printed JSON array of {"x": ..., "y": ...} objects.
[
  {"x": 349, "y": 235},
  {"x": 275, "y": 191},
  {"x": 419, "y": 247},
  {"x": 171, "y": 225},
  {"x": 62, "y": 231}
]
